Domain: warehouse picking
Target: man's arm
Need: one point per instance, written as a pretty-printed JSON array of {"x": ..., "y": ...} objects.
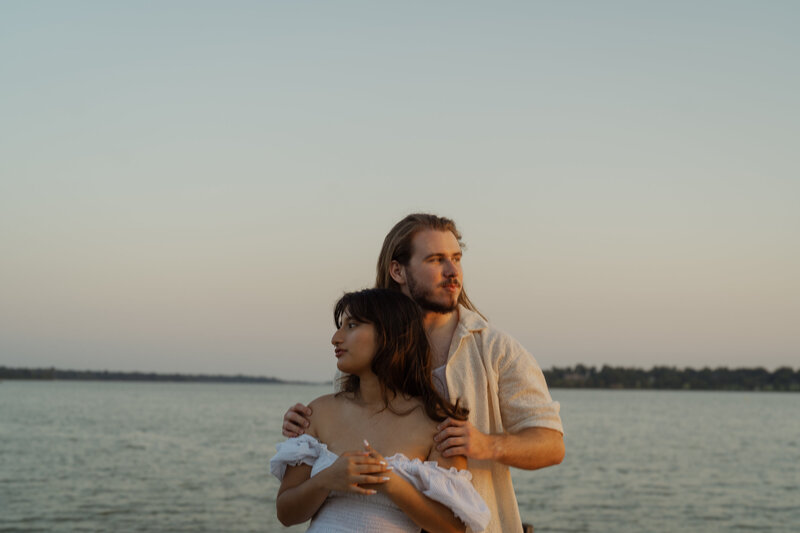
[
  {"x": 530, "y": 448},
  {"x": 532, "y": 433}
]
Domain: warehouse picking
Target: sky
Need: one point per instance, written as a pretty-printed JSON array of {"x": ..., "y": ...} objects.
[{"x": 190, "y": 186}]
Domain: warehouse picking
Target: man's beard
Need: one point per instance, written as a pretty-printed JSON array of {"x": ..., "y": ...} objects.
[{"x": 424, "y": 298}]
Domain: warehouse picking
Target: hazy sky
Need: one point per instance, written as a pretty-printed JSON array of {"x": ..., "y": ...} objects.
[{"x": 189, "y": 186}]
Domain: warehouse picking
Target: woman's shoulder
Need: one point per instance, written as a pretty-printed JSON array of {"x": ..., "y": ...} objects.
[
  {"x": 323, "y": 402},
  {"x": 329, "y": 402},
  {"x": 324, "y": 411},
  {"x": 322, "y": 406},
  {"x": 413, "y": 420},
  {"x": 415, "y": 408}
]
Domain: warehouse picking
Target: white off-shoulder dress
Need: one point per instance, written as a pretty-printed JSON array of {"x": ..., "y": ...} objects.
[{"x": 348, "y": 512}]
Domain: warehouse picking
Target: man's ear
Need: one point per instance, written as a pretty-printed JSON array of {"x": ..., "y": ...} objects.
[{"x": 398, "y": 272}]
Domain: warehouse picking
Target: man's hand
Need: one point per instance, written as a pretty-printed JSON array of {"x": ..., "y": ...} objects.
[
  {"x": 295, "y": 421},
  {"x": 530, "y": 448},
  {"x": 459, "y": 437}
]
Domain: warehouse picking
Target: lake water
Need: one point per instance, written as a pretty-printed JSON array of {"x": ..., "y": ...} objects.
[{"x": 168, "y": 457}]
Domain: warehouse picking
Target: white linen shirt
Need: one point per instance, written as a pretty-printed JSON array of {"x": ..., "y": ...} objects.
[{"x": 505, "y": 391}]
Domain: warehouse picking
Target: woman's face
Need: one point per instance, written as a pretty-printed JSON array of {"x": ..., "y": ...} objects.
[{"x": 355, "y": 345}]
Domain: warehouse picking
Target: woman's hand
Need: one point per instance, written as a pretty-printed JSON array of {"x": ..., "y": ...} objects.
[
  {"x": 385, "y": 485},
  {"x": 353, "y": 469},
  {"x": 430, "y": 515},
  {"x": 300, "y": 495}
]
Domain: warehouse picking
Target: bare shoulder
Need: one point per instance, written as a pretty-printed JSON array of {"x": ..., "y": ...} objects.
[
  {"x": 417, "y": 425},
  {"x": 323, "y": 402},
  {"x": 414, "y": 410},
  {"x": 426, "y": 424},
  {"x": 321, "y": 410}
]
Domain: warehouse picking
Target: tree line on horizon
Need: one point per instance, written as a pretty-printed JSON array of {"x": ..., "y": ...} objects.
[
  {"x": 783, "y": 379},
  {"x": 105, "y": 375}
]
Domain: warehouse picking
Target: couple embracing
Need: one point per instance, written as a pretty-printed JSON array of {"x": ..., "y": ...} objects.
[{"x": 433, "y": 405}]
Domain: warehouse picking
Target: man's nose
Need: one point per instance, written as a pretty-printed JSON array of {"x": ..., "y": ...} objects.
[{"x": 450, "y": 268}]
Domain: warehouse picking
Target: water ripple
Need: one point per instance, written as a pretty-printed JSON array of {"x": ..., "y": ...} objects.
[{"x": 193, "y": 457}]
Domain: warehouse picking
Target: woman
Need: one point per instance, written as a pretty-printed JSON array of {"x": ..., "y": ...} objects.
[{"x": 333, "y": 474}]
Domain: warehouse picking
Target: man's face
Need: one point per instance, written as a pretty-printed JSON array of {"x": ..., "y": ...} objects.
[{"x": 433, "y": 274}]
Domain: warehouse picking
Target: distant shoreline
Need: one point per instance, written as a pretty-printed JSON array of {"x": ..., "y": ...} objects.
[
  {"x": 54, "y": 374},
  {"x": 783, "y": 379}
]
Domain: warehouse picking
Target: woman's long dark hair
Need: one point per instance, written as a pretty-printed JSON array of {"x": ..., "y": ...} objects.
[{"x": 402, "y": 361}]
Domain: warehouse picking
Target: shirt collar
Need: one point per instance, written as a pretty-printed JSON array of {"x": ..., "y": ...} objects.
[{"x": 469, "y": 322}]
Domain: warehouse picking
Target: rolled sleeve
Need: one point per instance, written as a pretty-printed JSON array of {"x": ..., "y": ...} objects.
[{"x": 524, "y": 398}]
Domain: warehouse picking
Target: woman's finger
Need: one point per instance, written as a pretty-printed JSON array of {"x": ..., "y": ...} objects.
[
  {"x": 368, "y": 447},
  {"x": 373, "y": 468},
  {"x": 368, "y": 461},
  {"x": 354, "y": 454},
  {"x": 367, "y": 458},
  {"x": 359, "y": 490},
  {"x": 371, "y": 450},
  {"x": 370, "y": 480}
]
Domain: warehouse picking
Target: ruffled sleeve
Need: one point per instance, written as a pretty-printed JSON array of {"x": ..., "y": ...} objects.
[
  {"x": 452, "y": 488},
  {"x": 292, "y": 452}
]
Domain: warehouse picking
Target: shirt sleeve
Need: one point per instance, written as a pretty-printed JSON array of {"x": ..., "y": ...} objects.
[
  {"x": 304, "y": 449},
  {"x": 452, "y": 488},
  {"x": 524, "y": 398}
]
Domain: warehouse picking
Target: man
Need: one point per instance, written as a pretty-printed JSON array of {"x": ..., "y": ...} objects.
[{"x": 512, "y": 421}]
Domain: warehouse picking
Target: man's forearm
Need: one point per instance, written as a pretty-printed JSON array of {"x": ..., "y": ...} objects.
[{"x": 529, "y": 449}]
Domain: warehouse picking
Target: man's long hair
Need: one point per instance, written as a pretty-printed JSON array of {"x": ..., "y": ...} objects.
[
  {"x": 402, "y": 361},
  {"x": 397, "y": 246}
]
